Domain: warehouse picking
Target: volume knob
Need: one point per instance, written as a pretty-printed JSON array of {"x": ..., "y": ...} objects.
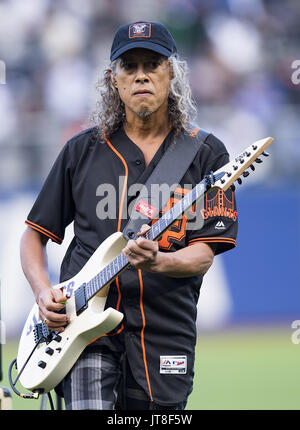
[
  {"x": 42, "y": 364},
  {"x": 49, "y": 351},
  {"x": 56, "y": 337}
]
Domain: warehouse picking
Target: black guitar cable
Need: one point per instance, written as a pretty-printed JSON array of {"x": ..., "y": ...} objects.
[
  {"x": 24, "y": 395},
  {"x": 50, "y": 401},
  {"x": 12, "y": 383}
]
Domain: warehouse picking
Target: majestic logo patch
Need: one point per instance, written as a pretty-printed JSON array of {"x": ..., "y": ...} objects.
[
  {"x": 145, "y": 209},
  {"x": 220, "y": 225},
  {"x": 141, "y": 29},
  {"x": 173, "y": 364}
]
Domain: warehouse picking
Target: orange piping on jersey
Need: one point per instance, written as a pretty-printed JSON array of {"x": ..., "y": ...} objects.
[
  {"x": 121, "y": 206},
  {"x": 108, "y": 334},
  {"x": 212, "y": 239},
  {"x": 194, "y": 132},
  {"x": 142, "y": 333},
  {"x": 119, "y": 295},
  {"x": 118, "y": 229},
  {"x": 44, "y": 231},
  {"x": 125, "y": 183}
]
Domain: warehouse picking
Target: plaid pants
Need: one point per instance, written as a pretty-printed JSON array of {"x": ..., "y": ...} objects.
[{"x": 94, "y": 383}]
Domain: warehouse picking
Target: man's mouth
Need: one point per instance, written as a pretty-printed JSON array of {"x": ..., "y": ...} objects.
[{"x": 142, "y": 93}]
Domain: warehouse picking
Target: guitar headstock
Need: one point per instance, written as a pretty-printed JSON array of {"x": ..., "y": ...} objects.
[{"x": 239, "y": 165}]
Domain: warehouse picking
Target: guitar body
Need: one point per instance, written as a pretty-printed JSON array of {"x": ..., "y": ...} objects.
[{"x": 82, "y": 329}]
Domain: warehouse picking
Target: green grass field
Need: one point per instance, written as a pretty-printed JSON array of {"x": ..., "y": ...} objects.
[{"x": 235, "y": 369}]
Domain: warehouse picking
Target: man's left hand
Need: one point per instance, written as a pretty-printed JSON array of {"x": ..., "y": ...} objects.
[{"x": 142, "y": 253}]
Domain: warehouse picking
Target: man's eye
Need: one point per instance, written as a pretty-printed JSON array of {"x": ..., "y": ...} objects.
[
  {"x": 129, "y": 66},
  {"x": 152, "y": 65}
]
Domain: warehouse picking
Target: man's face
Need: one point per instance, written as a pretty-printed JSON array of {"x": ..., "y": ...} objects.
[{"x": 142, "y": 78}]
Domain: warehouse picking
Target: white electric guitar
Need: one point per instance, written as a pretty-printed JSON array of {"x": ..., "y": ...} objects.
[{"x": 45, "y": 357}]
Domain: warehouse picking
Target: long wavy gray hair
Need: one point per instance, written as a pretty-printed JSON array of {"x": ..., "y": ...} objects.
[{"x": 110, "y": 112}]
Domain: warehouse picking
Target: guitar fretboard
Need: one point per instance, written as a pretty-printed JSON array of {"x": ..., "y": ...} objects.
[{"x": 116, "y": 266}]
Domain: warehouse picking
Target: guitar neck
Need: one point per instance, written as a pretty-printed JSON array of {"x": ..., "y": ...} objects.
[{"x": 120, "y": 263}]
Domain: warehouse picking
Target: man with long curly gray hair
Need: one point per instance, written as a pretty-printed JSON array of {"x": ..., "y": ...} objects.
[
  {"x": 182, "y": 111},
  {"x": 145, "y": 106}
]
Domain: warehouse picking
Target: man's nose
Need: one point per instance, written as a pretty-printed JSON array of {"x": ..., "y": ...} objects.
[{"x": 141, "y": 73}]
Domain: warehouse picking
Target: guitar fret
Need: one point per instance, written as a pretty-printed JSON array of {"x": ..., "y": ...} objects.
[
  {"x": 119, "y": 262},
  {"x": 170, "y": 214},
  {"x": 182, "y": 205},
  {"x": 156, "y": 230},
  {"x": 164, "y": 223},
  {"x": 149, "y": 235},
  {"x": 101, "y": 278},
  {"x": 116, "y": 266},
  {"x": 88, "y": 289}
]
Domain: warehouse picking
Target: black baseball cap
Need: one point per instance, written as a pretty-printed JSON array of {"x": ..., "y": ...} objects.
[{"x": 148, "y": 35}]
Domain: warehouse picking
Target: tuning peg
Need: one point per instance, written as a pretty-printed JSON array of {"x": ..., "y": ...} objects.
[
  {"x": 239, "y": 181},
  {"x": 258, "y": 160},
  {"x": 252, "y": 167},
  {"x": 246, "y": 173},
  {"x": 232, "y": 187},
  {"x": 266, "y": 154},
  {"x": 254, "y": 147}
]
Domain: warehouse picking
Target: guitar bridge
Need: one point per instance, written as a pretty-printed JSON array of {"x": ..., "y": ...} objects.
[{"x": 41, "y": 333}]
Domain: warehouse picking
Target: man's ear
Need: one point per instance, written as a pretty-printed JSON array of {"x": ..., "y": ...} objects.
[
  {"x": 171, "y": 70},
  {"x": 113, "y": 79}
]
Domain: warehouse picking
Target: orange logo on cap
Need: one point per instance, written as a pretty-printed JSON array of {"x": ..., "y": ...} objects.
[{"x": 141, "y": 29}]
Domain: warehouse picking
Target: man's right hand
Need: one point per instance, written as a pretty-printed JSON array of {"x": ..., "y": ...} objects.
[{"x": 51, "y": 301}]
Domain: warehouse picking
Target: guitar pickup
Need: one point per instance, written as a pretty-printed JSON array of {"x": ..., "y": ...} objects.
[{"x": 80, "y": 299}]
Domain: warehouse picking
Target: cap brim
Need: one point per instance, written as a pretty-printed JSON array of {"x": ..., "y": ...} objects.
[{"x": 143, "y": 44}]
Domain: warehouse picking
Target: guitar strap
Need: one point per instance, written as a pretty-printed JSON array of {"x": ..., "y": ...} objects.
[{"x": 169, "y": 171}]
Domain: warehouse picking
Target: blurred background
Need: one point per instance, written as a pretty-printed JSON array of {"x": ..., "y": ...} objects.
[{"x": 242, "y": 57}]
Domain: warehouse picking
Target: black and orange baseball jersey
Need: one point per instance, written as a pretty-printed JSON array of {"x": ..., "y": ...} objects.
[{"x": 92, "y": 184}]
